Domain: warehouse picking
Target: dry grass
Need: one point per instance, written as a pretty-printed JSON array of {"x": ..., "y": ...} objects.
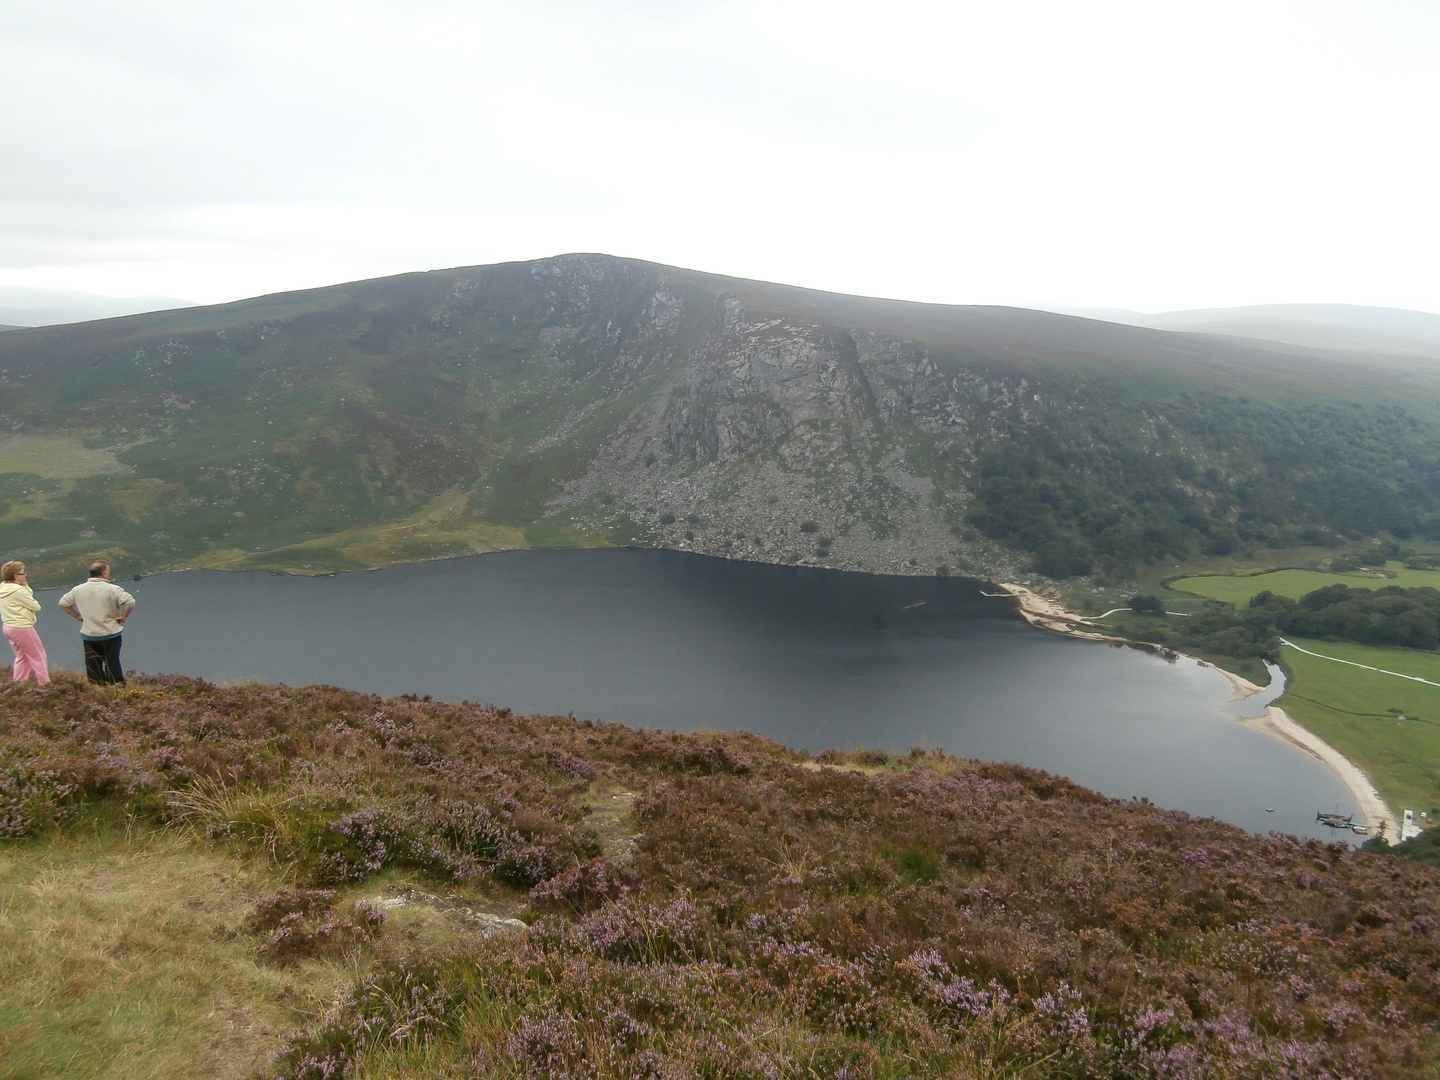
[{"x": 120, "y": 957}]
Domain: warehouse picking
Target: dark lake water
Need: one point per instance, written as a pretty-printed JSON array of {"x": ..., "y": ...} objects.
[{"x": 813, "y": 658}]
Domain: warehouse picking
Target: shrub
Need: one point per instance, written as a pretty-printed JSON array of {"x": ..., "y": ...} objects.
[
  {"x": 777, "y": 916},
  {"x": 306, "y": 924},
  {"x": 32, "y": 800},
  {"x": 402, "y": 1002},
  {"x": 444, "y": 837},
  {"x": 583, "y": 888}
]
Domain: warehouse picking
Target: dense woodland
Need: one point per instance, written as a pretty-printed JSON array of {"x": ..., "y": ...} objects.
[
  {"x": 1390, "y": 616},
  {"x": 1102, "y": 488},
  {"x": 1424, "y": 848}
]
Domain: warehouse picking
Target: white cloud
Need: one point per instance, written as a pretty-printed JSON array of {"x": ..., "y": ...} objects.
[{"x": 1137, "y": 155}]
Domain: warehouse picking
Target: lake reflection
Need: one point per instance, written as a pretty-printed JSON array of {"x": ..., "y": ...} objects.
[{"x": 812, "y": 658}]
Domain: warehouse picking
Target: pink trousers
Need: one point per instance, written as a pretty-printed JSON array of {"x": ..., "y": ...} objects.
[{"x": 29, "y": 654}]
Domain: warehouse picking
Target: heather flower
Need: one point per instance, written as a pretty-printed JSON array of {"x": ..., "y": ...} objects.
[
  {"x": 305, "y": 923},
  {"x": 32, "y": 799},
  {"x": 566, "y": 762},
  {"x": 117, "y": 771},
  {"x": 941, "y": 987},
  {"x": 582, "y": 888},
  {"x": 548, "y": 1046}
]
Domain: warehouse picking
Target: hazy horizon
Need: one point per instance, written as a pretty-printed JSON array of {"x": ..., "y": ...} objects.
[
  {"x": 1114, "y": 154},
  {"x": 30, "y": 307}
]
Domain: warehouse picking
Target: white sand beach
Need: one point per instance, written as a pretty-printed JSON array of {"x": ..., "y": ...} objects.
[
  {"x": 1050, "y": 614},
  {"x": 1277, "y": 722}
]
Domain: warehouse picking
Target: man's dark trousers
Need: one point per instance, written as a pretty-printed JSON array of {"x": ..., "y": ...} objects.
[{"x": 102, "y": 660}]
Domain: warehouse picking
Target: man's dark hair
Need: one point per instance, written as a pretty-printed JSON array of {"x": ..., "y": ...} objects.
[{"x": 97, "y": 568}]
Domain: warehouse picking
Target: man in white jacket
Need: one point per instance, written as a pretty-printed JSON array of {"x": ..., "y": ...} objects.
[{"x": 101, "y": 607}]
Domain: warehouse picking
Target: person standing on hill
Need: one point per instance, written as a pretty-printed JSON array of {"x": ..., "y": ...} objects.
[
  {"x": 101, "y": 607},
  {"x": 17, "y": 610}
]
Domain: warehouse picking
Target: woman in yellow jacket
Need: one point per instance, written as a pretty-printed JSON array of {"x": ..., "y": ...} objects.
[{"x": 17, "y": 610}]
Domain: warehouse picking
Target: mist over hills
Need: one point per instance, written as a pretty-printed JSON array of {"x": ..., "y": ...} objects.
[
  {"x": 20, "y": 306},
  {"x": 588, "y": 400},
  {"x": 1342, "y": 327}
]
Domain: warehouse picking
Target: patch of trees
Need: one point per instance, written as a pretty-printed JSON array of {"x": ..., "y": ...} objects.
[
  {"x": 1424, "y": 848},
  {"x": 1244, "y": 635},
  {"x": 1088, "y": 484},
  {"x": 1145, "y": 604},
  {"x": 1391, "y": 616}
]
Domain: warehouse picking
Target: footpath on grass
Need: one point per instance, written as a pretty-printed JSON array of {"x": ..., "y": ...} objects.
[{"x": 1352, "y": 663}]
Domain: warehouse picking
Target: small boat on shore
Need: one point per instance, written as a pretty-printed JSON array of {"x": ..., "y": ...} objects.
[
  {"x": 1336, "y": 821},
  {"x": 1360, "y": 830}
]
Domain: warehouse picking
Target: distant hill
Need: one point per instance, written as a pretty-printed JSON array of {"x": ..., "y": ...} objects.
[
  {"x": 48, "y": 307},
  {"x": 1344, "y": 327},
  {"x": 1338, "y": 327},
  {"x": 588, "y": 400}
]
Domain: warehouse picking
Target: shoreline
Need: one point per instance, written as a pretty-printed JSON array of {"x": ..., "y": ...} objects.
[
  {"x": 1277, "y": 722},
  {"x": 1048, "y": 614},
  {"x": 1051, "y": 615}
]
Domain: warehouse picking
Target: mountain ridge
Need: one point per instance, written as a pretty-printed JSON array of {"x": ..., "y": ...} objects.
[{"x": 585, "y": 400}]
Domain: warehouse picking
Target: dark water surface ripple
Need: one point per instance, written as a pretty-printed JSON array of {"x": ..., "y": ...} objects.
[{"x": 813, "y": 658}]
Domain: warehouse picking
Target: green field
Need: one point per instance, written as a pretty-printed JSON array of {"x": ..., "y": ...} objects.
[
  {"x": 1354, "y": 710},
  {"x": 1351, "y": 709},
  {"x": 1296, "y": 583}
]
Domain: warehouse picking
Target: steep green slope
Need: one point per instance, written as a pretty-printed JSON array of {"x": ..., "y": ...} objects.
[{"x": 591, "y": 400}]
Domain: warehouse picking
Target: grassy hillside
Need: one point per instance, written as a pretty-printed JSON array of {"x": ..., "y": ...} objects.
[
  {"x": 695, "y": 905},
  {"x": 121, "y": 955},
  {"x": 587, "y": 400}
]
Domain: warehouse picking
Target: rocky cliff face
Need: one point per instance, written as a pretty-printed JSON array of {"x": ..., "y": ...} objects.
[
  {"x": 776, "y": 438},
  {"x": 592, "y": 400}
]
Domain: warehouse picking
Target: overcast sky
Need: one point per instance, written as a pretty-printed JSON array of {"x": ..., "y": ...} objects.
[{"x": 1149, "y": 155}]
